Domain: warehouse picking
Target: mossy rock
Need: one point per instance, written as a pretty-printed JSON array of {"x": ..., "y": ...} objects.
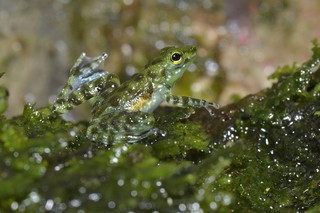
[{"x": 259, "y": 154}]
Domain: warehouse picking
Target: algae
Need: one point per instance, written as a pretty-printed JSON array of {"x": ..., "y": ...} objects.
[{"x": 256, "y": 155}]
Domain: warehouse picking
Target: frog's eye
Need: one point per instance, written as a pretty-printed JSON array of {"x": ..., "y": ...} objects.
[{"x": 176, "y": 58}]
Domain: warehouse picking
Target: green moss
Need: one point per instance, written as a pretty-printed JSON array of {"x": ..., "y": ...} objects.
[
  {"x": 182, "y": 138},
  {"x": 280, "y": 130},
  {"x": 257, "y": 155}
]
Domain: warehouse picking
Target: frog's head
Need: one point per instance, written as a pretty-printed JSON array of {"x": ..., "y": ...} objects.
[
  {"x": 176, "y": 61},
  {"x": 173, "y": 62}
]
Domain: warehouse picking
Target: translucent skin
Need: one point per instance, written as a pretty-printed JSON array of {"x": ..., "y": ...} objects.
[{"x": 123, "y": 112}]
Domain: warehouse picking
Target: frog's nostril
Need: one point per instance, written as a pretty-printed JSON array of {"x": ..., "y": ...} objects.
[{"x": 193, "y": 48}]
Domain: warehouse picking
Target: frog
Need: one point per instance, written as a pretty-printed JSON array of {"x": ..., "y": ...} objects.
[{"x": 123, "y": 112}]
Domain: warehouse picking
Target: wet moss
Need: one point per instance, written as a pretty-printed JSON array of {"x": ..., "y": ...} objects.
[
  {"x": 256, "y": 155},
  {"x": 279, "y": 128}
]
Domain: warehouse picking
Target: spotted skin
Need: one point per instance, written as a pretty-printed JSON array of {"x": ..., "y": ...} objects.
[{"x": 123, "y": 112}]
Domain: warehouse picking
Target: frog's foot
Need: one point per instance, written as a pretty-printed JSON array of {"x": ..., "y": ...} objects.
[
  {"x": 108, "y": 139},
  {"x": 153, "y": 131},
  {"x": 136, "y": 138},
  {"x": 86, "y": 69},
  {"x": 156, "y": 131},
  {"x": 208, "y": 106},
  {"x": 87, "y": 79}
]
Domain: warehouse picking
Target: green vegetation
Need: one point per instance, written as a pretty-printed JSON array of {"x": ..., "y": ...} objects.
[{"x": 257, "y": 155}]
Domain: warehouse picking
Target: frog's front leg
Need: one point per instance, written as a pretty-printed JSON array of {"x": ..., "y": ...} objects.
[
  {"x": 122, "y": 126},
  {"x": 183, "y": 101}
]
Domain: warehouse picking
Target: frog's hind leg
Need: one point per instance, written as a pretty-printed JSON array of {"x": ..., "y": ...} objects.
[
  {"x": 86, "y": 80},
  {"x": 123, "y": 126},
  {"x": 71, "y": 97}
]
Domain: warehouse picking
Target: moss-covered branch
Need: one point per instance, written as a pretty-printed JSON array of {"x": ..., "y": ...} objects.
[{"x": 259, "y": 154}]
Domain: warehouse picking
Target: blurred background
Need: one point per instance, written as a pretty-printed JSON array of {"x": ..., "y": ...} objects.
[{"x": 240, "y": 42}]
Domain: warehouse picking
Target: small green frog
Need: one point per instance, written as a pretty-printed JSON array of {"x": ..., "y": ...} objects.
[{"x": 123, "y": 112}]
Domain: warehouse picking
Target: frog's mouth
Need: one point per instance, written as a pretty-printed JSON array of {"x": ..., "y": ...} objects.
[{"x": 189, "y": 60}]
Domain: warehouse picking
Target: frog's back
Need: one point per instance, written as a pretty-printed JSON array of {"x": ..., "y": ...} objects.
[{"x": 129, "y": 96}]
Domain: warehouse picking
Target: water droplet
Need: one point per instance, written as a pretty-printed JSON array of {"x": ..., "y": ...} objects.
[
  {"x": 73, "y": 133},
  {"x": 82, "y": 190},
  {"x": 111, "y": 204},
  {"x": 120, "y": 182},
  {"x": 159, "y": 44},
  {"x": 49, "y": 205},
  {"x": 34, "y": 196},
  {"x": 213, "y": 205},
  {"x": 154, "y": 196},
  {"x": 130, "y": 70},
  {"x": 146, "y": 184},
  {"x": 182, "y": 207},
  {"x": 134, "y": 193},
  {"x": 58, "y": 167},
  {"x": 37, "y": 157},
  {"x": 195, "y": 207},
  {"x": 211, "y": 67},
  {"x": 14, "y": 205},
  {"x": 75, "y": 203},
  {"x": 218, "y": 198},
  {"x": 267, "y": 141},
  {"x": 126, "y": 49},
  {"x": 114, "y": 160},
  {"x": 162, "y": 190},
  {"x": 94, "y": 197}
]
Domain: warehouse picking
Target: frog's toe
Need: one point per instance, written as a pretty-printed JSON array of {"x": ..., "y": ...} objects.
[
  {"x": 209, "y": 105},
  {"x": 215, "y": 105}
]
